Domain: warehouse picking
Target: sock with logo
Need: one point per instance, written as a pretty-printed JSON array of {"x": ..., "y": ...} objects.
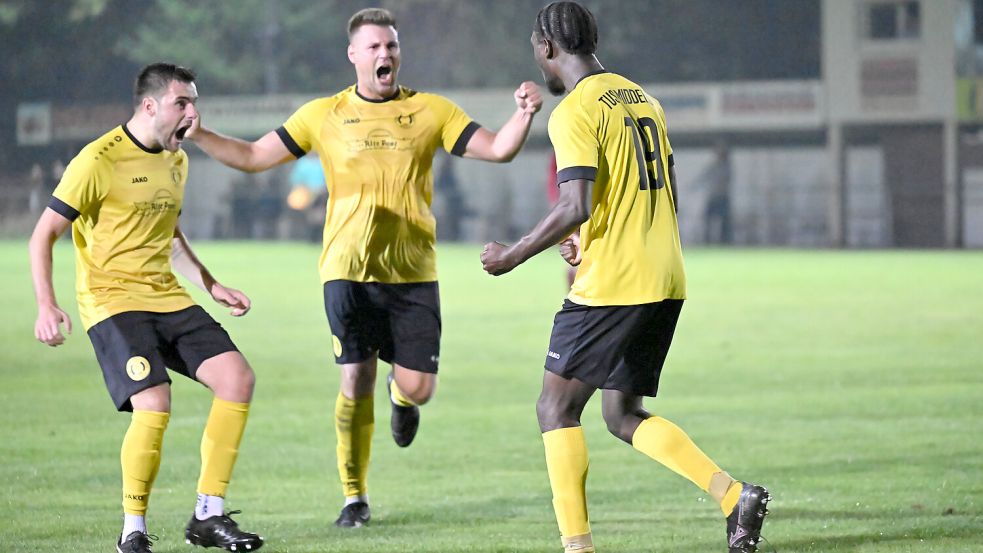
[
  {"x": 567, "y": 464},
  {"x": 140, "y": 460},
  {"x": 219, "y": 450},
  {"x": 354, "y": 424},
  {"x": 209, "y": 506}
]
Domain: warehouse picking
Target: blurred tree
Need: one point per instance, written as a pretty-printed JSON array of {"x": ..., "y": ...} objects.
[
  {"x": 63, "y": 49},
  {"x": 248, "y": 46},
  {"x": 88, "y": 51}
]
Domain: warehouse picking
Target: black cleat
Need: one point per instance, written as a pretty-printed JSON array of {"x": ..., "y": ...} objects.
[
  {"x": 136, "y": 542},
  {"x": 220, "y": 531},
  {"x": 404, "y": 420},
  {"x": 744, "y": 522},
  {"x": 354, "y": 515}
]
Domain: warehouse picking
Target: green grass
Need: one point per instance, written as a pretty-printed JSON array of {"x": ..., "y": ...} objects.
[{"x": 849, "y": 383}]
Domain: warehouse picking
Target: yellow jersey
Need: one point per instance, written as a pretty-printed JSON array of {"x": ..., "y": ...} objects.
[
  {"x": 608, "y": 130},
  {"x": 377, "y": 157},
  {"x": 123, "y": 200}
]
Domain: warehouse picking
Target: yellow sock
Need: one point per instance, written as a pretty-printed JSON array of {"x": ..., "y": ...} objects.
[
  {"x": 397, "y": 395},
  {"x": 732, "y": 493},
  {"x": 566, "y": 462},
  {"x": 354, "y": 423},
  {"x": 140, "y": 458},
  {"x": 668, "y": 444},
  {"x": 220, "y": 445}
]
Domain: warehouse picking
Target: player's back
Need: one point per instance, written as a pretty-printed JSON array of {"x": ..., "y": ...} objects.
[{"x": 610, "y": 131}]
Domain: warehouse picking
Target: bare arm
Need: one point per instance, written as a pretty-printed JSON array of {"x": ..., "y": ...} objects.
[
  {"x": 502, "y": 146},
  {"x": 50, "y": 226},
  {"x": 568, "y": 213},
  {"x": 187, "y": 264},
  {"x": 251, "y": 157}
]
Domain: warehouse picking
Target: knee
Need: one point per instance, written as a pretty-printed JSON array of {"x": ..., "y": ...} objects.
[
  {"x": 358, "y": 380},
  {"x": 616, "y": 426},
  {"x": 236, "y": 384},
  {"x": 621, "y": 424},
  {"x": 246, "y": 379},
  {"x": 156, "y": 399},
  {"x": 551, "y": 414},
  {"x": 420, "y": 395},
  {"x": 418, "y": 390}
]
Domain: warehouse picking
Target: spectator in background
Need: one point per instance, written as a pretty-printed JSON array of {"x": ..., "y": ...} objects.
[
  {"x": 309, "y": 194},
  {"x": 36, "y": 193},
  {"x": 446, "y": 185},
  {"x": 717, "y": 216}
]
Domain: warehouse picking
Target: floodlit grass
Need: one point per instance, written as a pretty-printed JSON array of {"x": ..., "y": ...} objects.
[{"x": 849, "y": 383}]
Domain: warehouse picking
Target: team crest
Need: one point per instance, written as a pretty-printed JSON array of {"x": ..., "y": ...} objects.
[
  {"x": 405, "y": 120},
  {"x": 176, "y": 176},
  {"x": 138, "y": 368}
]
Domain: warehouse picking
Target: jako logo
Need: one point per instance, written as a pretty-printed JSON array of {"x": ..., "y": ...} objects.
[
  {"x": 553, "y": 354},
  {"x": 139, "y": 179}
]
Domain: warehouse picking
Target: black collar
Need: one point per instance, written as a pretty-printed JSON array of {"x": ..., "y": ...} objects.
[
  {"x": 380, "y": 100},
  {"x": 591, "y": 74},
  {"x": 140, "y": 144}
]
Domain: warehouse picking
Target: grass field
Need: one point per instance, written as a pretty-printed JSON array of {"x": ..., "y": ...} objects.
[{"x": 849, "y": 383}]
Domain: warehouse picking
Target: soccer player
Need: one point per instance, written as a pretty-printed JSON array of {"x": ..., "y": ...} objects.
[
  {"x": 617, "y": 185},
  {"x": 122, "y": 195},
  {"x": 377, "y": 141}
]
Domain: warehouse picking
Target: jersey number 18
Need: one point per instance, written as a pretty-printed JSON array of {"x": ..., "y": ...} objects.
[{"x": 646, "y": 152}]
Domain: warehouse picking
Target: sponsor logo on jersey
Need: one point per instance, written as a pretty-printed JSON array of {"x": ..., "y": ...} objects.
[{"x": 162, "y": 202}]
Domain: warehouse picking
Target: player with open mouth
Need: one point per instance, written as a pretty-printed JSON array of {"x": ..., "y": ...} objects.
[{"x": 376, "y": 141}]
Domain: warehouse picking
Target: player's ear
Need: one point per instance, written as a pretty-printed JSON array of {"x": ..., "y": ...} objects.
[
  {"x": 549, "y": 50},
  {"x": 148, "y": 105},
  {"x": 351, "y": 53}
]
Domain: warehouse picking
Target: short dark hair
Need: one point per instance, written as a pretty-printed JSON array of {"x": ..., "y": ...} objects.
[
  {"x": 154, "y": 79},
  {"x": 371, "y": 16},
  {"x": 571, "y": 26}
]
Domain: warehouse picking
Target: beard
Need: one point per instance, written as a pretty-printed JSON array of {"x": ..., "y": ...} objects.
[{"x": 555, "y": 85}]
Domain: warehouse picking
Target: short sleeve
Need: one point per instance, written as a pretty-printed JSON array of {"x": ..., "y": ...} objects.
[
  {"x": 456, "y": 127},
  {"x": 665, "y": 146},
  {"x": 82, "y": 188},
  {"x": 574, "y": 138},
  {"x": 300, "y": 132}
]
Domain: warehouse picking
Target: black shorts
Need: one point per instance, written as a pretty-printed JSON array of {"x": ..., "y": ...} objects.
[
  {"x": 617, "y": 347},
  {"x": 399, "y": 321},
  {"x": 134, "y": 348}
]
